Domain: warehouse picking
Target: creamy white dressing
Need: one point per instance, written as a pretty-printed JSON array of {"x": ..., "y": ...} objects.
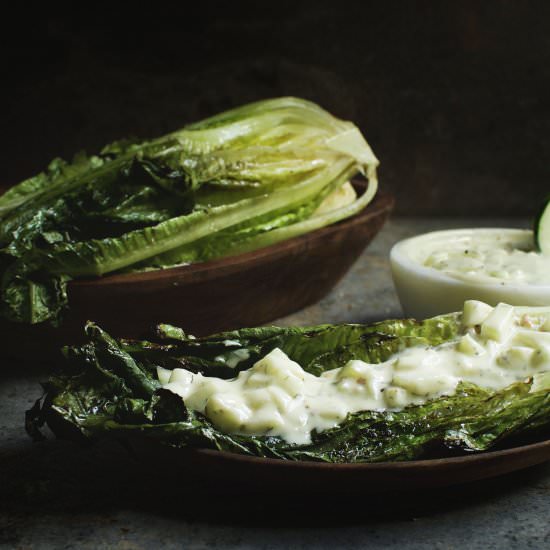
[
  {"x": 496, "y": 347},
  {"x": 234, "y": 357},
  {"x": 487, "y": 256}
]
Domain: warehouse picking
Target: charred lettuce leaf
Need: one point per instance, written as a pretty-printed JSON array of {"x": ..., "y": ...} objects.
[
  {"x": 108, "y": 388},
  {"x": 238, "y": 181}
]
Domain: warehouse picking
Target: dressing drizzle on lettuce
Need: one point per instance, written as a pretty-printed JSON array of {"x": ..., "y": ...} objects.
[{"x": 111, "y": 388}]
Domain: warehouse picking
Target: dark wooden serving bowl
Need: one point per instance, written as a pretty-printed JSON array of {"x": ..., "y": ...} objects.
[
  {"x": 244, "y": 290},
  {"x": 267, "y": 475}
]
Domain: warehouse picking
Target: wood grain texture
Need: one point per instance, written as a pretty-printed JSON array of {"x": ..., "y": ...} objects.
[{"x": 244, "y": 290}]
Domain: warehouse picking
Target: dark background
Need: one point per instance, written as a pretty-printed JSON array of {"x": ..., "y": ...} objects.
[{"x": 452, "y": 96}]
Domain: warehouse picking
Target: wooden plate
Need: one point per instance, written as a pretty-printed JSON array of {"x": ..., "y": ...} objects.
[
  {"x": 244, "y": 290},
  {"x": 285, "y": 475}
]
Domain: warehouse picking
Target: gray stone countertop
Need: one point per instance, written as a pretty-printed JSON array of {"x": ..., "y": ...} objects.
[{"x": 57, "y": 495}]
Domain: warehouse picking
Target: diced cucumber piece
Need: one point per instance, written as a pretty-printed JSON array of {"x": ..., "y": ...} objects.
[
  {"x": 163, "y": 375},
  {"x": 475, "y": 312},
  {"x": 498, "y": 324},
  {"x": 469, "y": 346}
]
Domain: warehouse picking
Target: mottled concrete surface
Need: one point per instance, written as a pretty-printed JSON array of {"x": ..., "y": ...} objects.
[{"x": 56, "y": 495}]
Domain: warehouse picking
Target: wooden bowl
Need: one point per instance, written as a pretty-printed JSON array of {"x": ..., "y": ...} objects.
[
  {"x": 244, "y": 290},
  {"x": 224, "y": 469}
]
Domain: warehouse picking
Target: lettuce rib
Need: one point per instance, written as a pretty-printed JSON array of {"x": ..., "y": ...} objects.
[
  {"x": 97, "y": 257},
  {"x": 308, "y": 225}
]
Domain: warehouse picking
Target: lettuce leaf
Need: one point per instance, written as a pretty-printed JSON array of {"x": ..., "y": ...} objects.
[
  {"x": 243, "y": 179},
  {"x": 108, "y": 389}
]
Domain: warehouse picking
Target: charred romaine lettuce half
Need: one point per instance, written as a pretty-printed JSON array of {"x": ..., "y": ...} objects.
[
  {"x": 108, "y": 388},
  {"x": 238, "y": 181}
]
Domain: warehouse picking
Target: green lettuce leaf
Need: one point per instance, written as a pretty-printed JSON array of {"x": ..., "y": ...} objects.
[
  {"x": 243, "y": 179},
  {"x": 108, "y": 389},
  {"x": 58, "y": 170}
]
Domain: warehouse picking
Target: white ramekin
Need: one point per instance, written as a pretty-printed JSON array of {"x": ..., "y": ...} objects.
[{"x": 425, "y": 291}]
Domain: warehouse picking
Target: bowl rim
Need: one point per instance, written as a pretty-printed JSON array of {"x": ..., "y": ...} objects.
[
  {"x": 468, "y": 457},
  {"x": 382, "y": 202},
  {"x": 399, "y": 256}
]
